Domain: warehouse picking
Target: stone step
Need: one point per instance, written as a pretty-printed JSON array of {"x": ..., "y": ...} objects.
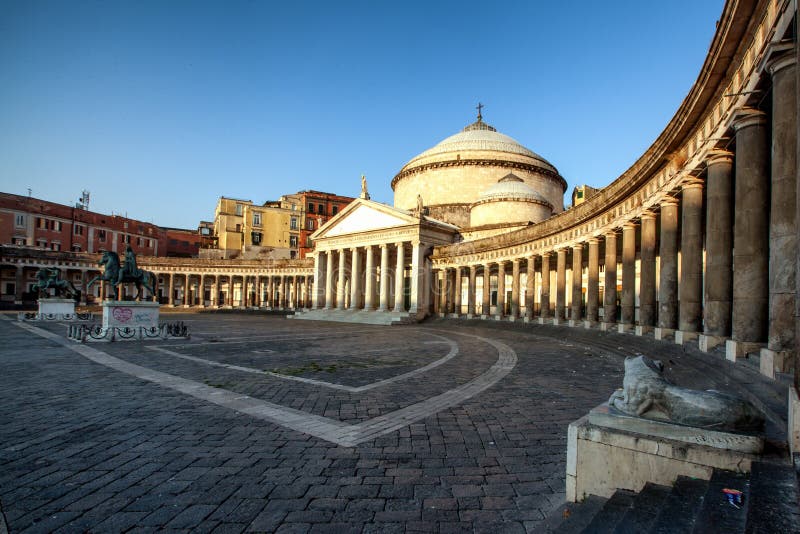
[
  {"x": 572, "y": 518},
  {"x": 612, "y": 512},
  {"x": 774, "y": 498},
  {"x": 679, "y": 510},
  {"x": 646, "y": 506},
  {"x": 356, "y": 317},
  {"x": 717, "y": 514}
]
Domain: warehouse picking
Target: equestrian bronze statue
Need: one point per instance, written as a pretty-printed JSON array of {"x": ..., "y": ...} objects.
[
  {"x": 117, "y": 274},
  {"x": 50, "y": 278}
]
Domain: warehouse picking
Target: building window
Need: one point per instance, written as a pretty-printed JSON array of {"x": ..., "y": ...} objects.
[
  {"x": 257, "y": 218},
  {"x": 335, "y": 210},
  {"x": 293, "y": 224},
  {"x": 19, "y": 220},
  {"x": 55, "y": 245},
  {"x": 101, "y": 236},
  {"x": 310, "y": 207},
  {"x": 150, "y": 243},
  {"x": 11, "y": 288},
  {"x": 41, "y": 243},
  {"x": 78, "y": 229},
  {"x": 309, "y": 242},
  {"x": 239, "y": 209},
  {"x": 293, "y": 254},
  {"x": 18, "y": 241},
  {"x": 139, "y": 241},
  {"x": 294, "y": 206},
  {"x": 293, "y": 241},
  {"x": 41, "y": 223},
  {"x": 76, "y": 247},
  {"x": 126, "y": 239},
  {"x": 56, "y": 226},
  {"x": 256, "y": 237},
  {"x": 238, "y": 227},
  {"x": 321, "y": 209},
  {"x": 310, "y": 224}
]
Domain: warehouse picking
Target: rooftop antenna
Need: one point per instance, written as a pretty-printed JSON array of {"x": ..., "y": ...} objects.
[{"x": 30, "y": 191}]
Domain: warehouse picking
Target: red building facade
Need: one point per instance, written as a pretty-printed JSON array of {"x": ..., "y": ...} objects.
[{"x": 319, "y": 207}]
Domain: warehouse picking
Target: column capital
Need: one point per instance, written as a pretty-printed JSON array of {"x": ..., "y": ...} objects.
[
  {"x": 629, "y": 225},
  {"x": 692, "y": 182},
  {"x": 647, "y": 215},
  {"x": 780, "y": 62},
  {"x": 515, "y": 261},
  {"x": 777, "y": 56},
  {"x": 594, "y": 240},
  {"x": 611, "y": 233},
  {"x": 716, "y": 157},
  {"x": 746, "y": 117},
  {"x": 668, "y": 201},
  {"x": 577, "y": 246}
]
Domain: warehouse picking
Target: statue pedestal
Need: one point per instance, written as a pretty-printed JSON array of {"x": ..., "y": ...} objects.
[
  {"x": 607, "y": 451},
  {"x": 56, "y": 308},
  {"x": 122, "y": 314}
]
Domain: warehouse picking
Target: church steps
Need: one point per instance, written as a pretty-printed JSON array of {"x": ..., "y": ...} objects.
[{"x": 356, "y": 317}]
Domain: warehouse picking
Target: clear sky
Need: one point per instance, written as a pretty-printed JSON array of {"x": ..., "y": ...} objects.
[{"x": 160, "y": 107}]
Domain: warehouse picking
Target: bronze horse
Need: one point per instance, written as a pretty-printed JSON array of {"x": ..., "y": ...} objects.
[
  {"x": 48, "y": 278},
  {"x": 115, "y": 274}
]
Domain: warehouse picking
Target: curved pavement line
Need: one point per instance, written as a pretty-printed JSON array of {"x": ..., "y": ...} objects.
[
  {"x": 318, "y": 426},
  {"x": 341, "y": 387}
]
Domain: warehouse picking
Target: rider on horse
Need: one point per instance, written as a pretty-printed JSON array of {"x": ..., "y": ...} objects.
[{"x": 129, "y": 269}]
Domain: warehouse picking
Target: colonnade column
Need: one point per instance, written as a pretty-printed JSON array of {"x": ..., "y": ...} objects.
[
  {"x": 187, "y": 290},
  {"x": 515, "y": 288},
  {"x": 171, "y": 297},
  {"x": 593, "y": 281},
  {"x": 384, "y": 286},
  {"x": 83, "y": 287},
  {"x": 668, "y": 256},
  {"x": 369, "y": 290},
  {"x": 610, "y": 288},
  {"x": 19, "y": 281},
  {"x": 340, "y": 285},
  {"x": 441, "y": 302},
  {"x": 271, "y": 291},
  {"x": 355, "y": 280},
  {"x": 486, "y": 301},
  {"x": 457, "y": 292},
  {"x": 577, "y": 282},
  {"x": 544, "y": 309},
  {"x": 561, "y": 283},
  {"x": 418, "y": 298},
  {"x": 647, "y": 275},
  {"x": 501, "y": 288},
  {"x": 719, "y": 244},
  {"x": 691, "y": 284},
  {"x": 472, "y": 286},
  {"x": 750, "y": 228},
  {"x": 628, "y": 297},
  {"x": 399, "y": 305},
  {"x": 529, "y": 287},
  {"x": 316, "y": 297},
  {"x": 329, "y": 279},
  {"x": 782, "y": 230}
]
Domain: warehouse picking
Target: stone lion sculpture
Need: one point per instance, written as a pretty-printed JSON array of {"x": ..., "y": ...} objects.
[{"x": 647, "y": 394}]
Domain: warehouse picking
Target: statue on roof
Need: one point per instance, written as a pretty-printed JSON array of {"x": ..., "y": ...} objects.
[
  {"x": 364, "y": 193},
  {"x": 420, "y": 207}
]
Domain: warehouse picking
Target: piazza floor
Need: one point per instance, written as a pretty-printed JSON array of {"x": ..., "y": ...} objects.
[{"x": 259, "y": 423}]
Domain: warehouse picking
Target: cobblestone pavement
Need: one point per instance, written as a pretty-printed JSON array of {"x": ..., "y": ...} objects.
[{"x": 258, "y": 423}]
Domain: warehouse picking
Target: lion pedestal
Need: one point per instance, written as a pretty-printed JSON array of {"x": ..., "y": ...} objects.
[
  {"x": 57, "y": 308},
  {"x": 127, "y": 314}
]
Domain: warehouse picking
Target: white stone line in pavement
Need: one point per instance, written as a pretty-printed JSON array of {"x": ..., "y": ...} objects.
[
  {"x": 318, "y": 426},
  {"x": 282, "y": 337},
  {"x": 341, "y": 387}
]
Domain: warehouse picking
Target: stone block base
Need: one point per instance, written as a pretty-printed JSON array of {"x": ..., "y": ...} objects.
[
  {"x": 121, "y": 314},
  {"x": 607, "y": 327},
  {"x": 793, "y": 425},
  {"x": 589, "y": 324},
  {"x": 640, "y": 330},
  {"x": 774, "y": 361},
  {"x": 606, "y": 452},
  {"x": 707, "y": 343},
  {"x": 625, "y": 328},
  {"x": 662, "y": 333},
  {"x": 683, "y": 337},
  {"x": 60, "y": 307},
  {"x": 557, "y": 321},
  {"x": 735, "y": 350}
]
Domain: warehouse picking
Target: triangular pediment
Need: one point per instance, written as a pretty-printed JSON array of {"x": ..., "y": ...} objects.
[{"x": 365, "y": 216}]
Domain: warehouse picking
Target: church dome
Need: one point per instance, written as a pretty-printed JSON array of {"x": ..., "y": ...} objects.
[
  {"x": 509, "y": 201},
  {"x": 455, "y": 174}
]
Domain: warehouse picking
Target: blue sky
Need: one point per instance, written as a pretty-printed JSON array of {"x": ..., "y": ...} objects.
[{"x": 191, "y": 100}]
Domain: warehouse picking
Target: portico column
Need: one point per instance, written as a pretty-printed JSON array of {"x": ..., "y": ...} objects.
[
  {"x": 230, "y": 292},
  {"x": 486, "y": 300},
  {"x": 457, "y": 292},
  {"x": 187, "y": 290},
  {"x": 577, "y": 282},
  {"x": 561, "y": 283},
  {"x": 399, "y": 305},
  {"x": 171, "y": 298},
  {"x": 647, "y": 275},
  {"x": 691, "y": 284},
  {"x": 329, "y": 279},
  {"x": 544, "y": 309},
  {"x": 751, "y": 228},
  {"x": 501, "y": 288},
  {"x": 19, "y": 280},
  {"x": 271, "y": 291},
  {"x": 355, "y": 279},
  {"x": 593, "y": 281},
  {"x": 296, "y": 296},
  {"x": 530, "y": 271},
  {"x": 471, "y": 297},
  {"x": 515, "y": 288},
  {"x": 417, "y": 278},
  {"x": 440, "y": 302},
  {"x": 340, "y": 296},
  {"x": 283, "y": 299},
  {"x": 215, "y": 291},
  {"x": 668, "y": 256},
  {"x": 782, "y": 230},
  {"x": 628, "y": 300},
  {"x": 369, "y": 297},
  {"x": 610, "y": 289},
  {"x": 384, "y": 286},
  {"x": 318, "y": 276}
]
